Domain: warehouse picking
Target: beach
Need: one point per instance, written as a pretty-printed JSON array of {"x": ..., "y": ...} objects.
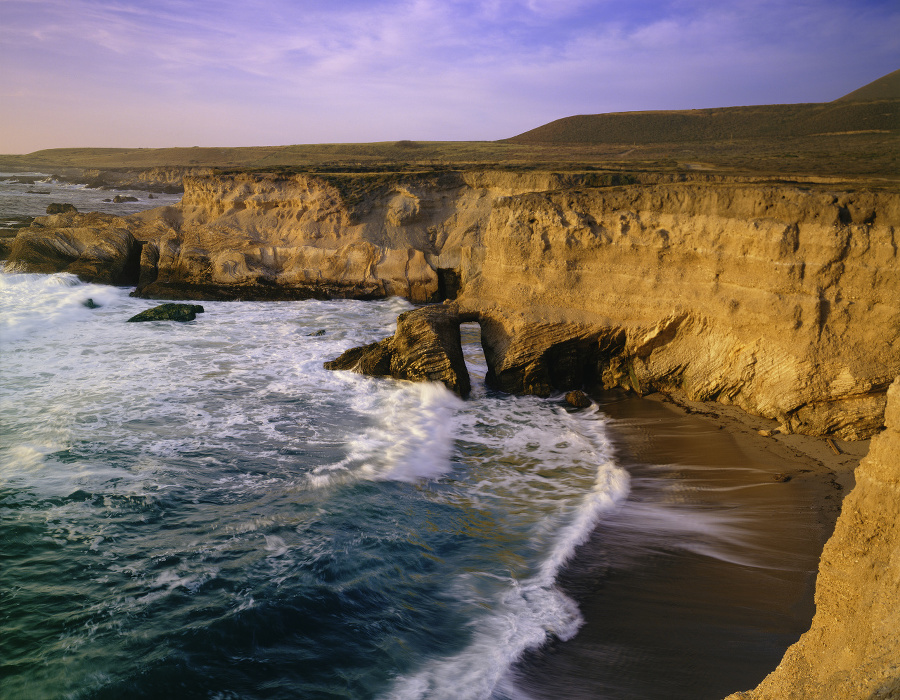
[{"x": 695, "y": 590}]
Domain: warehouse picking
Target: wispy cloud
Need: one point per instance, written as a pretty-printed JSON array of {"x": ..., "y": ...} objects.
[{"x": 278, "y": 71}]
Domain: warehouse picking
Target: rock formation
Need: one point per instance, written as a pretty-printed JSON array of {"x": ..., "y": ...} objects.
[
  {"x": 168, "y": 312},
  {"x": 61, "y": 208},
  {"x": 426, "y": 347},
  {"x": 783, "y": 299},
  {"x": 96, "y": 247},
  {"x": 852, "y": 650}
]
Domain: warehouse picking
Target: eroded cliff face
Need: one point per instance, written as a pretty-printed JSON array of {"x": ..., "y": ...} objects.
[
  {"x": 852, "y": 650},
  {"x": 782, "y": 299}
]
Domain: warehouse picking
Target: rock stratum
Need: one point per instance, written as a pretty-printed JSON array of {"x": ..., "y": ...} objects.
[{"x": 782, "y": 298}]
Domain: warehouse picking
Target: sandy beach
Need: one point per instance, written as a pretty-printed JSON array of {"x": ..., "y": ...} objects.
[{"x": 710, "y": 574}]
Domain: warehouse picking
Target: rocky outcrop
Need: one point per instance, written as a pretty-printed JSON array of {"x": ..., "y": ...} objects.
[
  {"x": 61, "y": 208},
  {"x": 168, "y": 312},
  {"x": 96, "y": 247},
  {"x": 783, "y": 299},
  {"x": 159, "y": 179},
  {"x": 426, "y": 347},
  {"x": 852, "y": 649}
]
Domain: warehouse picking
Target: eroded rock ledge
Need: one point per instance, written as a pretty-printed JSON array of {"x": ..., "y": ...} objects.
[
  {"x": 780, "y": 298},
  {"x": 852, "y": 650}
]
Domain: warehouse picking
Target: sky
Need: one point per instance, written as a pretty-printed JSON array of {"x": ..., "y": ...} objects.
[{"x": 158, "y": 73}]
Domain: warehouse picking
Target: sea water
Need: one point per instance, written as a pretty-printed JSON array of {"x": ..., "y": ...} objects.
[
  {"x": 28, "y": 194},
  {"x": 200, "y": 510}
]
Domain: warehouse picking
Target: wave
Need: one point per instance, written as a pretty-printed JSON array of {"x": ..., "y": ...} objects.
[
  {"x": 526, "y": 612},
  {"x": 31, "y": 303}
]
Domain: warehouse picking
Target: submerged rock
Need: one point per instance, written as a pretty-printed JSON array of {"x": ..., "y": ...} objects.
[
  {"x": 169, "y": 312},
  {"x": 119, "y": 198}
]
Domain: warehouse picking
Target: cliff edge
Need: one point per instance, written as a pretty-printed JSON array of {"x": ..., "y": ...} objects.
[
  {"x": 782, "y": 298},
  {"x": 852, "y": 649}
]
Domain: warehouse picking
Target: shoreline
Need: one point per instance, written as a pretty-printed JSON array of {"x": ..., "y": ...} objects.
[{"x": 709, "y": 571}]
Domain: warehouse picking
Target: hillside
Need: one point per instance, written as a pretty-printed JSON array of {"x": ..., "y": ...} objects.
[
  {"x": 724, "y": 124},
  {"x": 848, "y": 139},
  {"x": 886, "y": 87}
]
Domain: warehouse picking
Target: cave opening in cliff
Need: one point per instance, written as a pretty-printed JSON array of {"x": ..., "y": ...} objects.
[{"x": 448, "y": 283}]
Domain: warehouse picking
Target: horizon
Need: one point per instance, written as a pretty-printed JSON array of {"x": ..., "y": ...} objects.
[{"x": 98, "y": 74}]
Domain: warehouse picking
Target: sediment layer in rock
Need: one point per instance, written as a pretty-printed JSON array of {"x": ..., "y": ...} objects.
[{"x": 783, "y": 299}]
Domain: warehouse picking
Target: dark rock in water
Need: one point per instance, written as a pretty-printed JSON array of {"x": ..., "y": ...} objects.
[
  {"x": 59, "y": 208},
  {"x": 91, "y": 304},
  {"x": 426, "y": 347},
  {"x": 38, "y": 191},
  {"x": 119, "y": 198},
  {"x": 373, "y": 360},
  {"x": 315, "y": 334},
  {"x": 150, "y": 196},
  {"x": 107, "y": 200},
  {"x": 578, "y": 399},
  {"x": 169, "y": 312}
]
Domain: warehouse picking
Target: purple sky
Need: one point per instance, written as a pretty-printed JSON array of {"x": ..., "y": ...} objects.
[{"x": 132, "y": 73}]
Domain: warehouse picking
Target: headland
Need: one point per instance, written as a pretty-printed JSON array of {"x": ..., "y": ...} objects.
[{"x": 759, "y": 272}]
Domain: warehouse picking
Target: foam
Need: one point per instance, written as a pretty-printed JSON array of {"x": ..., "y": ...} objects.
[
  {"x": 523, "y": 613},
  {"x": 220, "y": 411}
]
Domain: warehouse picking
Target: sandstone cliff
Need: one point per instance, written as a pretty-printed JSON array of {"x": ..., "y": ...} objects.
[
  {"x": 852, "y": 650},
  {"x": 783, "y": 299}
]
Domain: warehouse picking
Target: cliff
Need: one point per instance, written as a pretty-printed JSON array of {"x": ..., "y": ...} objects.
[
  {"x": 852, "y": 650},
  {"x": 782, "y": 298}
]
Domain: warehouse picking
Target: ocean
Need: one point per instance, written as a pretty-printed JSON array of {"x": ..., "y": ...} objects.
[{"x": 200, "y": 510}]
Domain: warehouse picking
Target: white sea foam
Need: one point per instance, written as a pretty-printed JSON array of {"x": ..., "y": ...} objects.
[
  {"x": 242, "y": 392},
  {"x": 523, "y": 613}
]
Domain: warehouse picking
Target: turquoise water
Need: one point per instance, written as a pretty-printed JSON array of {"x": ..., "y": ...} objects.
[{"x": 201, "y": 510}]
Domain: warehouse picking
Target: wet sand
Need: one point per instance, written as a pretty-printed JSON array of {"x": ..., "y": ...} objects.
[{"x": 697, "y": 585}]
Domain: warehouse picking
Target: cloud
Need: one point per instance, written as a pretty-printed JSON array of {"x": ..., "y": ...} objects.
[{"x": 279, "y": 71}]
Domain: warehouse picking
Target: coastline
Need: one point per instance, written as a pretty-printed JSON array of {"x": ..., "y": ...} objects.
[{"x": 710, "y": 572}]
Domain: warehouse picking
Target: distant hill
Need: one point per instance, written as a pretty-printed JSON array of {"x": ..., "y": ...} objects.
[
  {"x": 849, "y": 114},
  {"x": 885, "y": 88}
]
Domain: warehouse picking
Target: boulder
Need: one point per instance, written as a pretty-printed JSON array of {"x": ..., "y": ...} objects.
[
  {"x": 60, "y": 208},
  {"x": 169, "y": 312},
  {"x": 98, "y": 248},
  {"x": 119, "y": 198},
  {"x": 578, "y": 399}
]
